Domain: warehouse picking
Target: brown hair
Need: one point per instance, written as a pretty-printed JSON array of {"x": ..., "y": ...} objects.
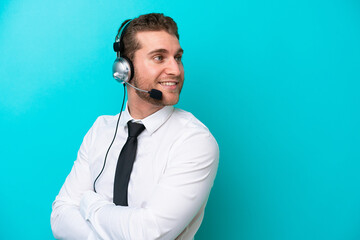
[{"x": 147, "y": 22}]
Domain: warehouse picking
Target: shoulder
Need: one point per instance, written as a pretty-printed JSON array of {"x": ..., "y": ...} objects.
[
  {"x": 106, "y": 120},
  {"x": 102, "y": 126},
  {"x": 192, "y": 143},
  {"x": 189, "y": 128},
  {"x": 187, "y": 121}
]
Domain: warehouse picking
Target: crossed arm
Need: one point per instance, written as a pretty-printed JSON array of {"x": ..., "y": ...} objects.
[{"x": 80, "y": 213}]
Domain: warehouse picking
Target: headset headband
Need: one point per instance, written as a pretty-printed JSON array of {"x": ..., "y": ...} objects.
[{"x": 119, "y": 36}]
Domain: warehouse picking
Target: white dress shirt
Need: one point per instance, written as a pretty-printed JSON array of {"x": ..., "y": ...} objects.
[{"x": 174, "y": 170}]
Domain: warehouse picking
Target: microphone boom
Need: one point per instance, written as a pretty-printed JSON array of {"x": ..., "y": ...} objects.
[{"x": 154, "y": 93}]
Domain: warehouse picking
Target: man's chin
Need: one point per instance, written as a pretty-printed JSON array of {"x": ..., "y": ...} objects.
[
  {"x": 163, "y": 102},
  {"x": 170, "y": 99}
]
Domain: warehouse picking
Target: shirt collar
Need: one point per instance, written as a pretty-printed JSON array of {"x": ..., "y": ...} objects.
[{"x": 152, "y": 122}]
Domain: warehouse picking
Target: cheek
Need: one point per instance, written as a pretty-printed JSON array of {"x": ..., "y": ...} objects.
[{"x": 150, "y": 70}]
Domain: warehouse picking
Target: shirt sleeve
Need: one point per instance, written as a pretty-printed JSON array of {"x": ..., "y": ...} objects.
[
  {"x": 182, "y": 191},
  {"x": 66, "y": 220}
]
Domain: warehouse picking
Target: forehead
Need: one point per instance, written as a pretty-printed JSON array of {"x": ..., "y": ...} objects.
[{"x": 150, "y": 40}]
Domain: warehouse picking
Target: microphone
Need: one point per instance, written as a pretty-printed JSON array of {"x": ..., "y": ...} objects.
[{"x": 154, "y": 93}]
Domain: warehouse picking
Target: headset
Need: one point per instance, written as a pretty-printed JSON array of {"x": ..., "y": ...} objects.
[{"x": 123, "y": 72}]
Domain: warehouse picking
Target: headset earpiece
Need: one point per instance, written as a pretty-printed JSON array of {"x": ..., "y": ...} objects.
[{"x": 123, "y": 70}]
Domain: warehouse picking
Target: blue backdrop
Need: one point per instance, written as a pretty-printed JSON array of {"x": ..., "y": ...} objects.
[{"x": 277, "y": 83}]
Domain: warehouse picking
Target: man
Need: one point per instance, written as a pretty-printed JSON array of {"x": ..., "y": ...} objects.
[{"x": 176, "y": 157}]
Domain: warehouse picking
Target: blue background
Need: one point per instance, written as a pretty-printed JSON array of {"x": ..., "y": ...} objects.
[{"x": 277, "y": 83}]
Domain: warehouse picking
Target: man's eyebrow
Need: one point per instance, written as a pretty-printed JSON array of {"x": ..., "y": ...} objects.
[{"x": 162, "y": 50}]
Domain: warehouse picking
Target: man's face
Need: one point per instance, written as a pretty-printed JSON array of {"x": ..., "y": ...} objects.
[{"x": 158, "y": 66}]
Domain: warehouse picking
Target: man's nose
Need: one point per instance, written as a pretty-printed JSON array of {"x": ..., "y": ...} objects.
[{"x": 173, "y": 67}]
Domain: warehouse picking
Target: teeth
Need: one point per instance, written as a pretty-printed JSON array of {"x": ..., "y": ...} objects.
[{"x": 168, "y": 83}]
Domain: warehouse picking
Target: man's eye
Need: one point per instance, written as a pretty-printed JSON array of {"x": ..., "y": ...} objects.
[
  {"x": 178, "y": 58},
  {"x": 158, "y": 58}
]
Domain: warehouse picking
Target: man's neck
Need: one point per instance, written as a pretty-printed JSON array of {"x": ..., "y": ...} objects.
[{"x": 140, "y": 109}]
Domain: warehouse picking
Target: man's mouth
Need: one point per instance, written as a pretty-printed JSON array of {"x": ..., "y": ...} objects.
[{"x": 168, "y": 83}]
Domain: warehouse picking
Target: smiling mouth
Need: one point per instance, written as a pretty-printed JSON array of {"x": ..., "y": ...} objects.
[{"x": 168, "y": 83}]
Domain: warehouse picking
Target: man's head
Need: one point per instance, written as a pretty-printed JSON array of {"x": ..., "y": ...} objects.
[{"x": 151, "y": 42}]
